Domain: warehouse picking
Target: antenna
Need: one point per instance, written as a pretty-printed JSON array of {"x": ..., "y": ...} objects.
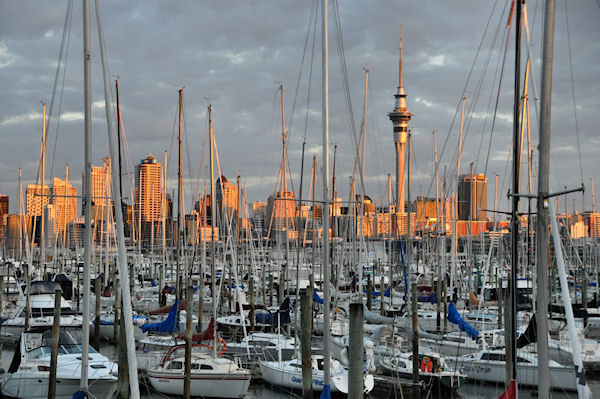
[{"x": 400, "y": 68}]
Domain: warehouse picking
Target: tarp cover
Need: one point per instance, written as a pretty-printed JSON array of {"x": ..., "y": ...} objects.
[
  {"x": 431, "y": 298},
  {"x": 530, "y": 334},
  {"x": 206, "y": 335},
  {"x": 317, "y": 298},
  {"x": 455, "y": 318},
  {"x": 167, "y": 325},
  {"x": 271, "y": 318}
]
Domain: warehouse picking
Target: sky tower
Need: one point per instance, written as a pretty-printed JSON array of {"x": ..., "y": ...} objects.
[{"x": 400, "y": 117}]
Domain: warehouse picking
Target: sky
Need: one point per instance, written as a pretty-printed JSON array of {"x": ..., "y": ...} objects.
[{"x": 234, "y": 55}]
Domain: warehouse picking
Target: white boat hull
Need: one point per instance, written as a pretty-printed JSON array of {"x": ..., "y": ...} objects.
[
  {"x": 34, "y": 385},
  {"x": 275, "y": 374},
  {"x": 205, "y": 384},
  {"x": 561, "y": 378}
]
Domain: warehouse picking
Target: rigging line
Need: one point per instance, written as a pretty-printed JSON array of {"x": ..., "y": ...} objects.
[
  {"x": 310, "y": 17},
  {"x": 344, "y": 72},
  {"x": 66, "y": 35},
  {"x": 458, "y": 106},
  {"x": 497, "y": 97},
  {"x": 187, "y": 151},
  {"x": 312, "y": 54},
  {"x": 574, "y": 101},
  {"x": 202, "y": 149},
  {"x": 478, "y": 89},
  {"x": 464, "y": 91},
  {"x": 171, "y": 143},
  {"x": 491, "y": 97}
]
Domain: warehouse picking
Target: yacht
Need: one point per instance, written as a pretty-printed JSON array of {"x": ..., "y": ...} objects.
[
  {"x": 211, "y": 376},
  {"x": 288, "y": 374},
  {"x": 489, "y": 365},
  {"x": 41, "y": 297},
  {"x": 29, "y": 372}
]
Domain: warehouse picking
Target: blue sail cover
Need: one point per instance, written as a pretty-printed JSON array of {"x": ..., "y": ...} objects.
[
  {"x": 167, "y": 325},
  {"x": 431, "y": 298},
  {"x": 455, "y": 318},
  {"x": 283, "y": 314},
  {"x": 326, "y": 392},
  {"x": 317, "y": 298}
]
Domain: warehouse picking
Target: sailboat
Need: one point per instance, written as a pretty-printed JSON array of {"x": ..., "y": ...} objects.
[
  {"x": 29, "y": 372},
  {"x": 41, "y": 294},
  {"x": 210, "y": 376},
  {"x": 288, "y": 374}
]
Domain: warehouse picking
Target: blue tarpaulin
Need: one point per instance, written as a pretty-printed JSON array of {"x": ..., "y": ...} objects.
[
  {"x": 271, "y": 318},
  {"x": 386, "y": 293},
  {"x": 79, "y": 395},
  {"x": 317, "y": 298},
  {"x": 167, "y": 325},
  {"x": 326, "y": 393},
  {"x": 431, "y": 298},
  {"x": 455, "y": 318}
]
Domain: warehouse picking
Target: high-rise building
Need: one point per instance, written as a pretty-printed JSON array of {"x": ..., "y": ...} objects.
[
  {"x": 227, "y": 196},
  {"x": 37, "y": 199},
  {"x": 281, "y": 211},
  {"x": 100, "y": 188},
  {"x": 15, "y": 238},
  {"x": 400, "y": 117},
  {"x": 472, "y": 197},
  {"x": 3, "y": 213},
  {"x": 148, "y": 189},
  {"x": 64, "y": 198},
  {"x": 259, "y": 215}
]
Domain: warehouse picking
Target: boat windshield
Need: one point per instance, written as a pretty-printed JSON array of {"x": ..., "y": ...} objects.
[{"x": 39, "y": 344}]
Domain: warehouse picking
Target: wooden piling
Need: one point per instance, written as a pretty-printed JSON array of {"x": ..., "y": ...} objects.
[
  {"x": 251, "y": 290},
  {"x": 305, "y": 345},
  {"x": 117, "y": 305},
  {"x": 1, "y": 296},
  {"x": 382, "y": 296},
  {"x": 270, "y": 289},
  {"x": 54, "y": 350},
  {"x": 189, "y": 314},
  {"x": 415, "y": 342},
  {"x": 369, "y": 292},
  {"x": 123, "y": 376},
  {"x": 98, "y": 291},
  {"x": 355, "y": 352}
]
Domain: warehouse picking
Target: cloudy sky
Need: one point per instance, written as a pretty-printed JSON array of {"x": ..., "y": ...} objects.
[{"x": 234, "y": 54}]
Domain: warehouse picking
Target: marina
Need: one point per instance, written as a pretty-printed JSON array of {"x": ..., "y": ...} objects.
[{"x": 163, "y": 278}]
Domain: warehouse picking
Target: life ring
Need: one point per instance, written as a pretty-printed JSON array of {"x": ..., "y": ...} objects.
[
  {"x": 222, "y": 341},
  {"x": 525, "y": 319}
]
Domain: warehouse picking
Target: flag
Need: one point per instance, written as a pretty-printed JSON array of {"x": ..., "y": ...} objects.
[{"x": 511, "y": 391}]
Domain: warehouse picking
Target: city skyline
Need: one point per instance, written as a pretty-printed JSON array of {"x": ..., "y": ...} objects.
[{"x": 237, "y": 74}]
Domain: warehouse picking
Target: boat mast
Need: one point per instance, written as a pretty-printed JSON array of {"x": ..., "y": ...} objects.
[
  {"x": 297, "y": 304},
  {"x": 325, "y": 216},
  {"x": 455, "y": 205},
  {"x": 178, "y": 278},
  {"x": 541, "y": 230},
  {"x": 361, "y": 211},
  {"x": 511, "y": 333},
  {"x": 85, "y": 336},
  {"x": 284, "y": 271},
  {"x": 213, "y": 216},
  {"x": 117, "y": 199},
  {"x": 42, "y": 225}
]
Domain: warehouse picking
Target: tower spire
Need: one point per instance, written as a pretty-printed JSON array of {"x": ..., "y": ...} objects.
[
  {"x": 400, "y": 117},
  {"x": 400, "y": 85}
]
